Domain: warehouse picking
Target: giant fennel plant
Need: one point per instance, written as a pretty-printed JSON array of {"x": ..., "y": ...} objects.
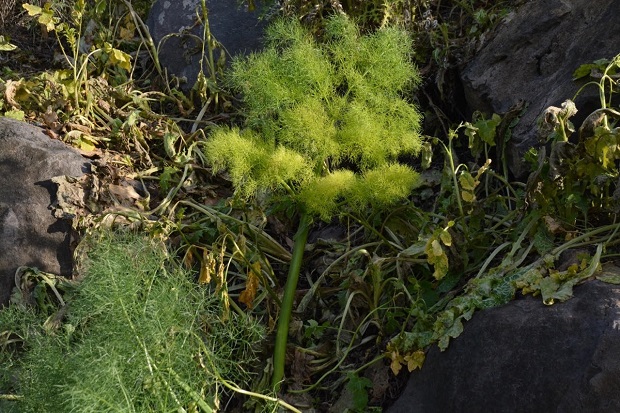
[{"x": 325, "y": 124}]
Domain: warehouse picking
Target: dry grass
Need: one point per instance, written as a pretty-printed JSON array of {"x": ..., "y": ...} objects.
[
  {"x": 8, "y": 13},
  {"x": 12, "y": 14}
]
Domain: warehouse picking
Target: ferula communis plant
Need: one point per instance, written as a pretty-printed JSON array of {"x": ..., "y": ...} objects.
[{"x": 324, "y": 126}]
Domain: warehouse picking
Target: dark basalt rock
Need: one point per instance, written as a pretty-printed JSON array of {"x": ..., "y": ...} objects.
[
  {"x": 236, "y": 28},
  {"x": 531, "y": 57},
  {"x": 29, "y": 234},
  {"x": 526, "y": 357}
]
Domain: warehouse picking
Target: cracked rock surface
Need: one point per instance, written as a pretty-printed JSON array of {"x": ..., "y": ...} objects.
[
  {"x": 29, "y": 233},
  {"x": 531, "y": 57},
  {"x": 526, "y": 357}
]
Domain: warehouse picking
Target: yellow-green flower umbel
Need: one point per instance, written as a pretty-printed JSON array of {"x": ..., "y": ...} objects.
[{"x": 325, "y": 123}]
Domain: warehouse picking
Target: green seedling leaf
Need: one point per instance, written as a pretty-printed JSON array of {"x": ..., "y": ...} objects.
[
  {"x": 358, "y": 387},
  {"x": 583, "y": 71},
  {"x": 166, "y": 177},
  {"x": 100, "y": 7},
  {"x": 587, "y": 69},
  {"x": 487, "y": 127},
  {"x": 117, "y": 57},
  {"x": 82, "y": 140},
  {"x": 530, "y": 281}
]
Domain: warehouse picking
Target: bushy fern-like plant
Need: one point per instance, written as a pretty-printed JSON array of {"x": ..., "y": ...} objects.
[
  {"x": 325, "y": 124},
  {"x": 139, "y": 336}
]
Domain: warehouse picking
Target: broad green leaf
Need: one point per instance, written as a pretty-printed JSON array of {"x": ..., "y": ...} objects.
[
  {"x": 357, "y": 386},
  {"x": 165, "y": 178},
  {"x": 452, "y": 331},
  {"x": 551, "y": 290},
  {"x": 487, "y": 127},
  {"x": 583, "y": 71}
]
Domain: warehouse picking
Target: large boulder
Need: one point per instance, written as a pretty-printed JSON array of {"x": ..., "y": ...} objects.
[
  {"x": 532, "y": 56},
  {"x": 526, "y": 357},
  {"x": 238, "y": 29},
  {"x": 29, "y": 233}
]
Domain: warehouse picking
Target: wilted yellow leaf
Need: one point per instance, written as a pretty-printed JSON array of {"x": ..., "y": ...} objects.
[
  {"x": 446, "y": 238},
  {"x": 467, "y": 181},
  {"x": 468, "y": 196},
  {"x": 207, "y": 267},
  {"x": 117, "y": 57},
  {"x": 553, "y": 225},
  {"x": 5, "y": 45},
  {"x": 251, "y": 285},
  {"x": 395, "y": 366},
  {"x": 32, "y": 10},
  {"x": 10, "y": 90},
  {"x": 46, "y": 15},
  {"x": 188, "y": 260},
  {"x": 126, "y": 32},
  {"x": 436, "y": 248},
  {"x": 415, "y": 360},
  {"x": 121, "y": 58}
]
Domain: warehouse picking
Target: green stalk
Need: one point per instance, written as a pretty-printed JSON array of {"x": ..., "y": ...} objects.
[{"x": 286, "y": 310}]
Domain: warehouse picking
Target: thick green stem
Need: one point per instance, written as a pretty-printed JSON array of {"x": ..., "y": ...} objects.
[{"x": 286, "y": 309}]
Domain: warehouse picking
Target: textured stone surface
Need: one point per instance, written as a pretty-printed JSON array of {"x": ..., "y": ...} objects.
[
  {"x": 526, "y": 357},
  {"x": 29, "y": 234},
  {"x": 532, "y": 56},
  {"x": 239, "y": 30}
]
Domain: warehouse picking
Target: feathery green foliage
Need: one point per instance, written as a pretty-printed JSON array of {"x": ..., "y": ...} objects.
[
  {"x": 319, "y": 113},
  {"x": 138, "y": 334},
  {"x": 325, "y": 124}
]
